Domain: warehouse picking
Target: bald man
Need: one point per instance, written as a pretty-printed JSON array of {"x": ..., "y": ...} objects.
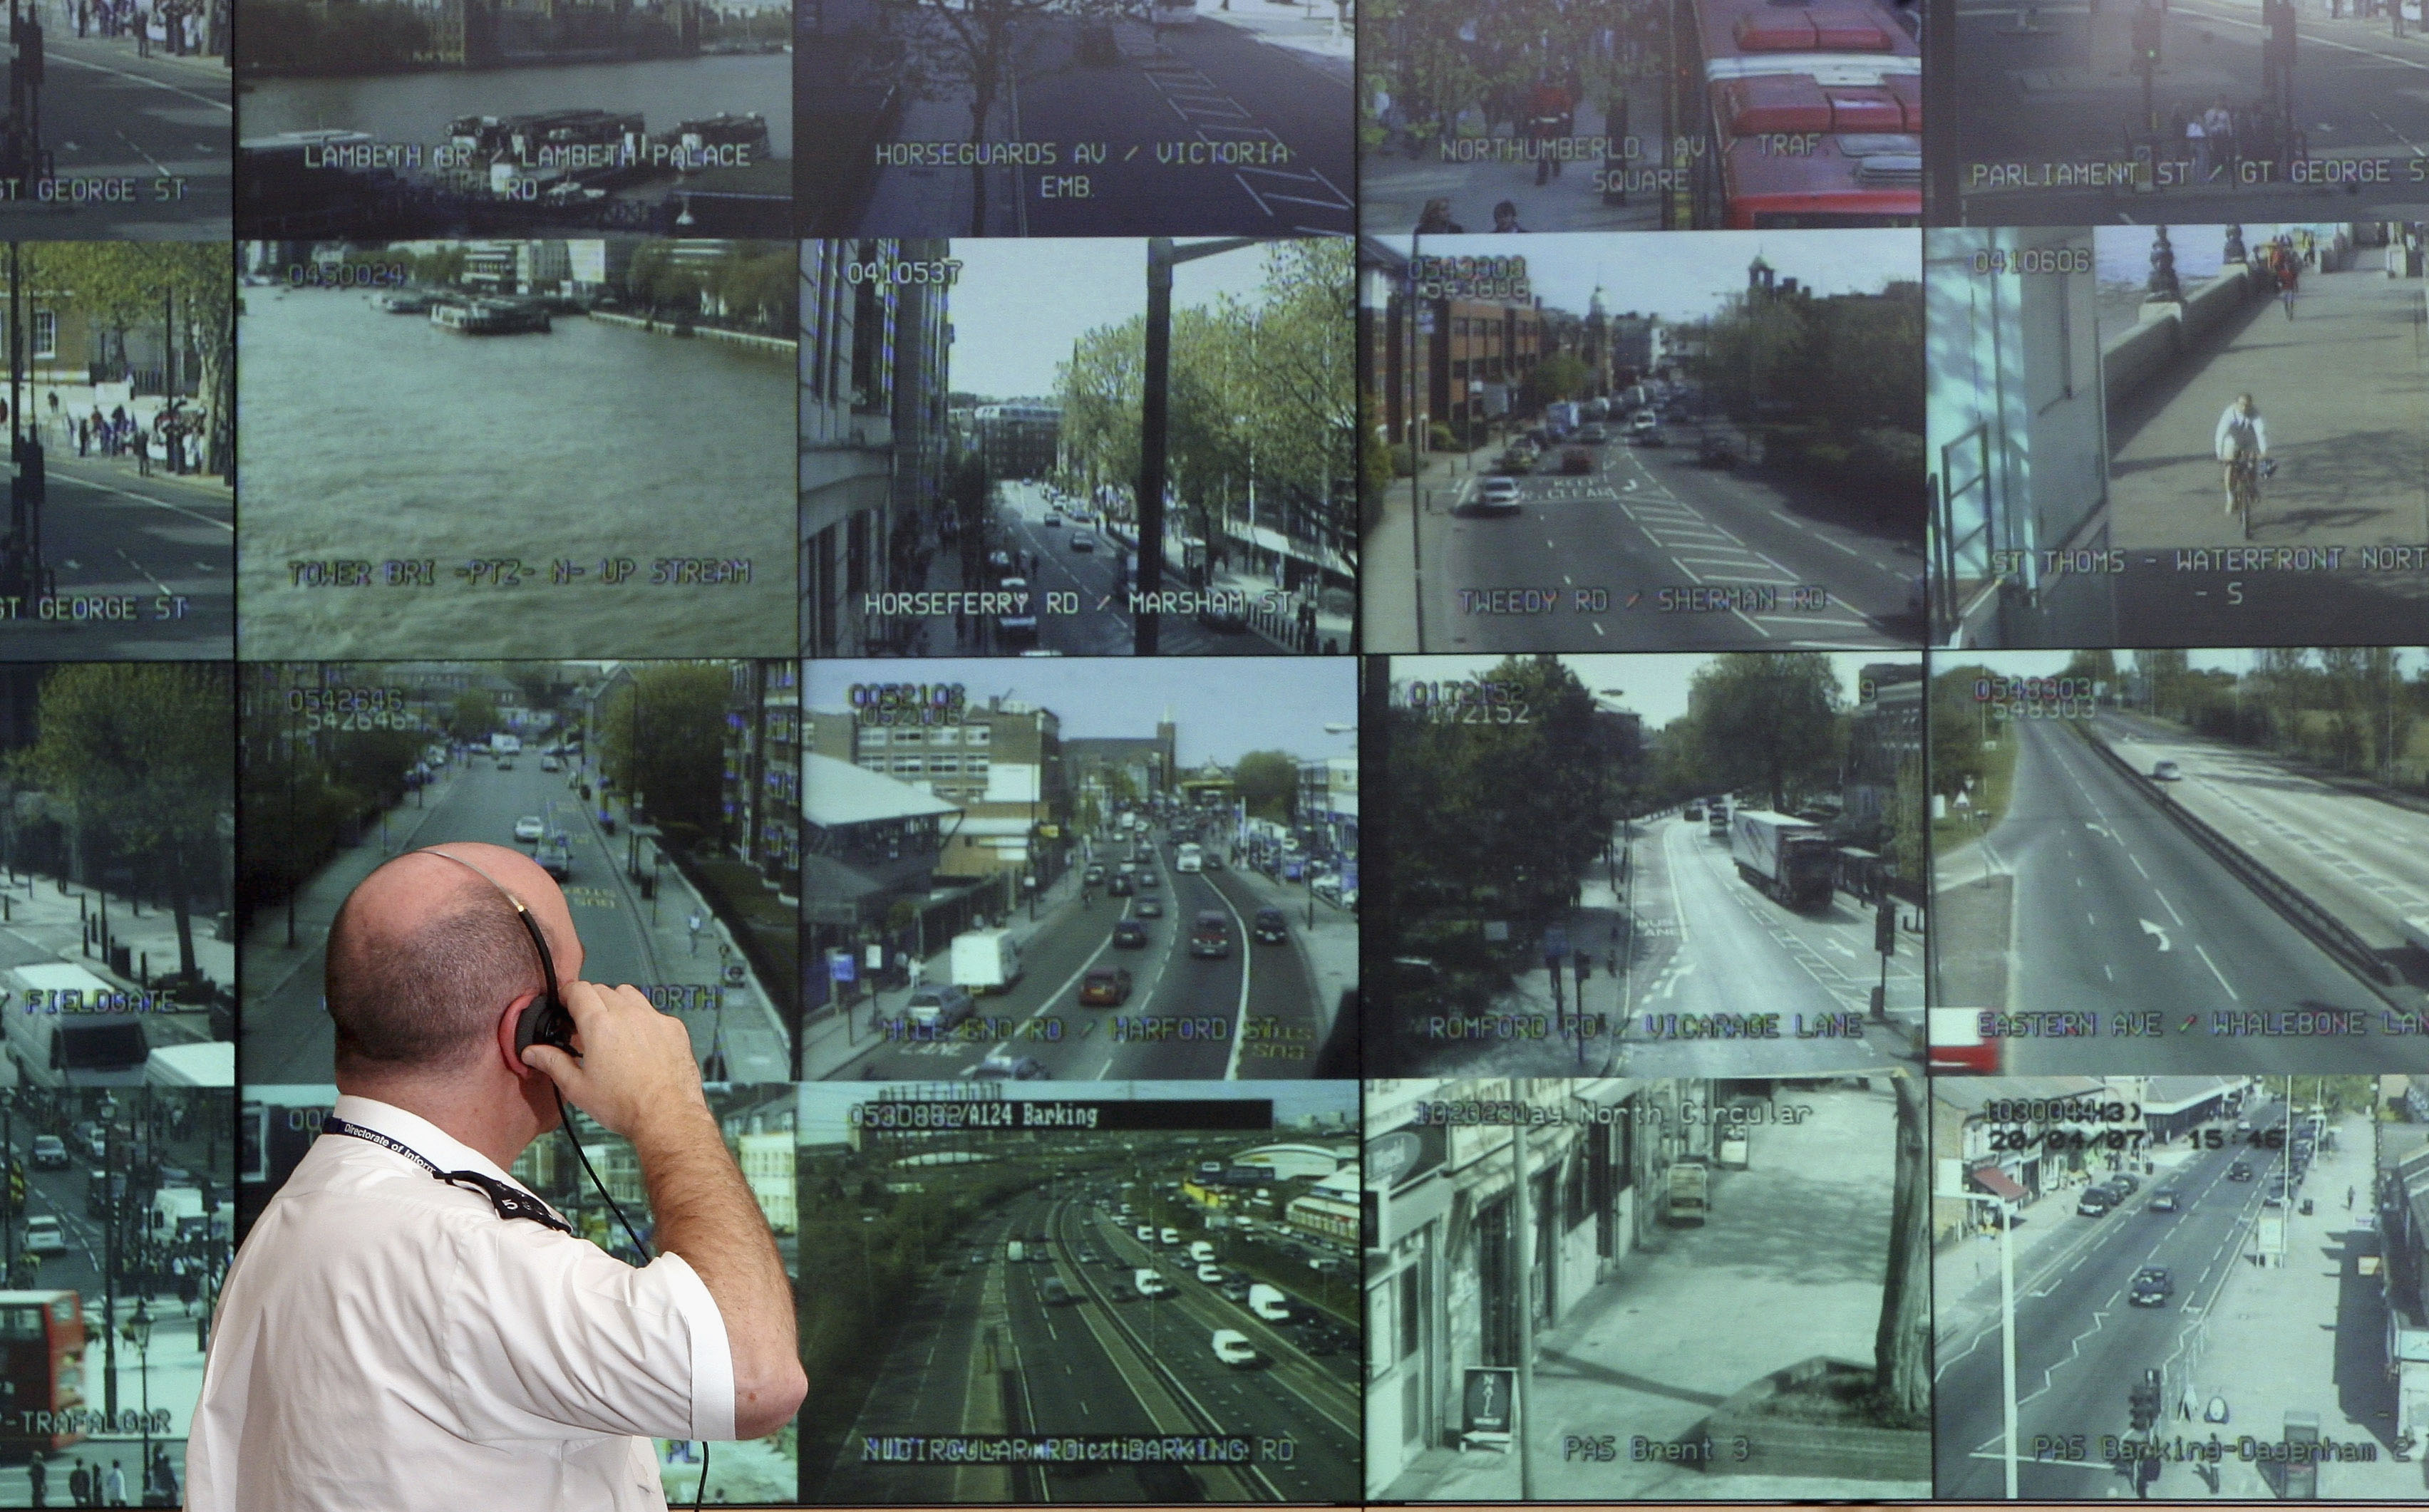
[{"x": 408, "y": 1328}]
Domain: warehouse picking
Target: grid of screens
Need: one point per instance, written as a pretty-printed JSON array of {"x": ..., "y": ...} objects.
[{"x": 1895, "y": 665}]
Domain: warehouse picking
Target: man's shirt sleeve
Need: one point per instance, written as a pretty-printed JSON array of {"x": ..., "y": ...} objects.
[{"x": 557, "y": 1333}]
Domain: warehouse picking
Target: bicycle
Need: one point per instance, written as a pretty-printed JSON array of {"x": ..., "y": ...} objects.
[{"x": 2243, "y": 486}]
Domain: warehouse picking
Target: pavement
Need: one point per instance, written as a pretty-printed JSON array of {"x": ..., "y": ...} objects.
[
  {"x": 2116, "y": 909},
  {"x": 44, "y": 922},
  {"x": 166, "y": 542},
  {"x": 2308, "y": 1334},
  {"x": 2057, "y": 90},
  {"x": 2079, "y": 1341},
  {"x": 1394, "y": 188},
  {"x": 1698, "y": 941},
  {"x": 2342, "y": 388},
  {"x": 1696, "y": 1315},
  {"x": 165, "y": 123},
  {"x": 287, "y": 1036},
  {"x": 1104, "y": 626},
  {"x": 1271, "y": 94}
]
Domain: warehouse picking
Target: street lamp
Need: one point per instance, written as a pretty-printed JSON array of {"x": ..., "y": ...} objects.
[
  {"x": 2006, "y": 1215},
  {"x": 139, "y": 1333}
]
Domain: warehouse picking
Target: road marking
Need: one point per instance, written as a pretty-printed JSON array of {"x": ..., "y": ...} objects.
[
  {"x": 2215, "y": 971},
  {"x": 2170, "y": 906},
  {"x": 103, "y": 68},
  {"x": 2152, "y": 930},
  {"x": 147, "y": 498}
]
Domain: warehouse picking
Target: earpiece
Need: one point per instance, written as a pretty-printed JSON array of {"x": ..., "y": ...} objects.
[{"x": 545, "y": 1022}]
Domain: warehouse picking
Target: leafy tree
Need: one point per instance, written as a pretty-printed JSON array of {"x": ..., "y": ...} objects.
[
  {"x": 127, "y": 285},
  {"x": 1958, "y": 730},
  {"x": 473, "y": 716},
  {"x": 1770, "y": 721},
  {"x": 1562, "y": 375},
  {"x": 1503, "y": 818},
  {"x": 676, "y": 713},
  {"x": 144, "y": 753},
  {"x": 1267, "y": 782}
]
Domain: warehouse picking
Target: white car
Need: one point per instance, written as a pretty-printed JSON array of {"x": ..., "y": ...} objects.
[
  {"x": 1021, "y": 624},
  {"x": 530, "y": 829},
  {"x": 1210, "y": 1274},
  {"x": 1498, "y": 495},
  {"x": 1083, "y": 541},
  {"x": 2167, "y": 772},
  {"x": 43, "y": 1235},
  {"x": 1232, "y": 1347}
]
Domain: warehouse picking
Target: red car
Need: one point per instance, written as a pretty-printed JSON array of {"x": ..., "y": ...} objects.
[{"x": 1105, "y": 987}]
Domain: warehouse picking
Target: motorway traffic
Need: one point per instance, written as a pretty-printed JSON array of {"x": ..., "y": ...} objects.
[
  {"x": 989, "y": 1348},
  {"x": 1677, "y": 544},
  {"x": 2087, "y": 897},
  {"x": 287, "y": 1036},
  {"x": 1206, "y": 993}
]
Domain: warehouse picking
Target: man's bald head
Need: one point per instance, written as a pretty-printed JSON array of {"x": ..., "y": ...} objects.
[{"x": 426, "y": 953}]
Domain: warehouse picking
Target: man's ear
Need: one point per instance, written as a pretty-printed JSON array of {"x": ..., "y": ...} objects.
[{"x": 506, "y": 1034}]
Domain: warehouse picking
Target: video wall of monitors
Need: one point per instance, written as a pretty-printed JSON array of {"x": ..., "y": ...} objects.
[{"x": 1894, "y": 664}]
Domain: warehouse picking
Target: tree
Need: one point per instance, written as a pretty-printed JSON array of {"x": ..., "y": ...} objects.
[
  {"x": 1267, "y": 782},
  {"x": 1769, "y": 720},
  {"x": 473, "y": 716},
  {"x": 1958, "y": 727},
  {"x": 1902, "y": 1338},
  {"x": 675, "y": 712},
  {"x": 144, "y": 754},
  {"x": 1562, "y": 375},
  {"x": 124, "y": 286}
]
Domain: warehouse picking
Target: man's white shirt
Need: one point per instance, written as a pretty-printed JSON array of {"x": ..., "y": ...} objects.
[{"x": 387, "y": 1342}]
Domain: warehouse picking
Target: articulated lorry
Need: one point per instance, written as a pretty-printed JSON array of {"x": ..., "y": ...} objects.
[{"x": 1789, "y": 860}]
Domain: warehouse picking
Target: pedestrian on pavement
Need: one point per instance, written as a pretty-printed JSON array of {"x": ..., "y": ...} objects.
[
  {"x": 693, "y": 924},
  {"x": 2197, "y": 144},
  {"x": 2289, "y": 272},
  {"x": 38, "y": 1475},
  {"x": 2218, "y": 124},
  {"x": 80, "y": 1484},
  {"x": 113, "y": 1485},
  {"x": 143, "y": 34},
  {"x": 142, "y": 454},
  {"x": 2349, "y": 1197}
]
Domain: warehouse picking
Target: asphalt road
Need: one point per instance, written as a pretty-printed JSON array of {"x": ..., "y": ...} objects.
[
  {"x": 2118, "y": 908},
  {"x": 288, "y": 1036},
  {"x": 1196, "y": 91},
  {"x": 1109, "y": 1363},
  {"x": 2356, "y": 854},
  {"x": 1710, "y": 944},
  {"x": 1648, "y": 520},
  {"x": 166, "y": 129},
  {"x": 2060, "y": 92},
  {"x": 110, "y": 536},
  {"x": 1184, "y": 1015},
  {"x": 2081, "y": 1345},
  {"x": 1099, "y": 579}
]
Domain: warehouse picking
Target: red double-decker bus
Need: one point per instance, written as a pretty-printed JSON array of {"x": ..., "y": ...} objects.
[
  {"x": 42, "y": 1371},
  {"x": 1811, "y": 114}
]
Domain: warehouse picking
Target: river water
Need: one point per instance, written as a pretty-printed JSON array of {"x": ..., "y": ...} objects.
[
  {"x": 379, "y": 437},
  {"x": 417, "y": 106}
]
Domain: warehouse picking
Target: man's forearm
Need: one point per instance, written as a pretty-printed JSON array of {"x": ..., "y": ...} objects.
[{"x": 706, "y": 1214}]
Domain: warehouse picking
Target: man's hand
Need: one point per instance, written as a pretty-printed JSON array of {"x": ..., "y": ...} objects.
[{"x": 637, "y": 1063}]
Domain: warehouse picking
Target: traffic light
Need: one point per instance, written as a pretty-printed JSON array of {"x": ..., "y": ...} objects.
[{"x": 2144, "y": 1402}]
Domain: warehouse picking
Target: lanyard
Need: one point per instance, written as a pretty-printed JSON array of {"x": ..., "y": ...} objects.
[{"x": 510, "y": 1202}]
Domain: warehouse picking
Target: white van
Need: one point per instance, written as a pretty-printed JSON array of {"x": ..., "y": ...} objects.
[{"x": 1189, "y": 858}]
